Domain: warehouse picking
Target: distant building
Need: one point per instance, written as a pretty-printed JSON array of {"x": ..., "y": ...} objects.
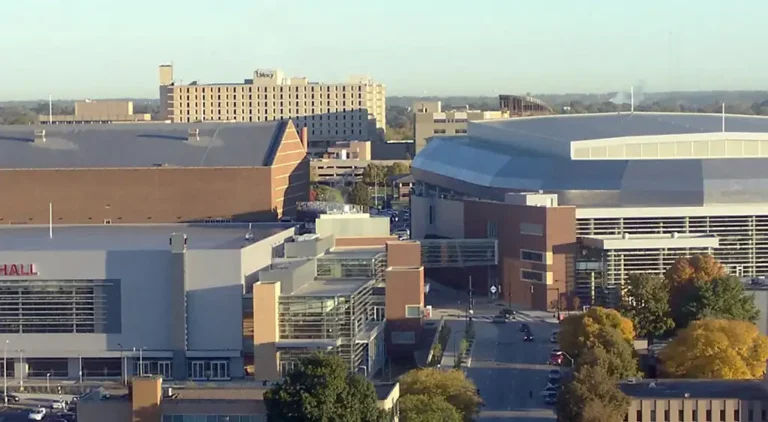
[
  {"x": 97, "y": 111},
  {"x": 430, "y": 120},
  {"x": 340, "y": 170},
  {"x": 353, "y": 110}
]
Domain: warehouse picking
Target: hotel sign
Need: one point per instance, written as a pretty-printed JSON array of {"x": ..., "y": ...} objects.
[
  {"x": 265, "y": 74},
  {"x": 10, "y": 270}
]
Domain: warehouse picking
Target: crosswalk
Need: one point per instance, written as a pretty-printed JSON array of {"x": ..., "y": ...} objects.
[{"x": 489, "y": 317}]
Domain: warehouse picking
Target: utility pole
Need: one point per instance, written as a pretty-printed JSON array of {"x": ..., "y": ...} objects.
[{"x": 5, "y": 373}]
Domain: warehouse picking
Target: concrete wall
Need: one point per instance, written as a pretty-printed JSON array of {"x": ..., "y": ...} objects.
[
  {"x": 761, "y": 302},
  {"x": 258, "y": 256},
  {"x": 144, "y": 295},
  {"x": 447, "y": 218},
  {"x": 214, "y": 300},
  {"x": 351, "y": 225}
]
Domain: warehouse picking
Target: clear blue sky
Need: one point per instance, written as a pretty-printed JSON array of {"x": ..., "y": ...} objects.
[{"x": 105, "y": 48}]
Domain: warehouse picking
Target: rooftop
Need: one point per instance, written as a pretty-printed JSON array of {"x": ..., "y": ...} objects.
[
  {"x": 132, "y": 237},
  {"x": 139, "y": 145},
  {"x": 332, "y": 287},
  {"x": 356, "y": 252},
  {"x": 579, "y": 127},
  {"x": 696, "y": 389}
]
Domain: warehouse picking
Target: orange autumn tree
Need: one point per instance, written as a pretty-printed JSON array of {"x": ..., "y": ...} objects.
[{"x": 579, "y": 332}]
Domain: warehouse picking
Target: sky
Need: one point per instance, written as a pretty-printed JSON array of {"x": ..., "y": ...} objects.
[{"x": 107, "y": 49}]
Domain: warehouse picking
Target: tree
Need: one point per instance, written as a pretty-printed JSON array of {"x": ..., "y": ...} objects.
[
  {"x": 374, "y": 174},
  {"x": 322, "y": 389},
  {"x": 398, "y": 168},
  {"x": 646, "y": 303},
  {"x": 716, "y": 348},
  {"x": 451, "y": 386},
  {"x": 325, "y": 194},
  {"x": 359, "y": 195},
  {"x": 591, "y": 396},
  {"x": 427, "y": 408},
  {"x": 575, "y": 303},
  {"x": 700, "y": 288},
  {"x": 580, "y": 331},
  {"x": 610, "y": 352}
]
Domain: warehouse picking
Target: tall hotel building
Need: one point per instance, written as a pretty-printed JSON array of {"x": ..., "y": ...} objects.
[{"x": 354, "y": 110}]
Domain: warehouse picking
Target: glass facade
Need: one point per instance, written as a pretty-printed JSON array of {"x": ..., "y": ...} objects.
[
  {"x": 437, "y": 253},
  {"x": 59, "y": 306}
]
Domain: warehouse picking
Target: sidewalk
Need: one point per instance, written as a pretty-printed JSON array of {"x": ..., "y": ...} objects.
[{"x": 452, "y": 348}]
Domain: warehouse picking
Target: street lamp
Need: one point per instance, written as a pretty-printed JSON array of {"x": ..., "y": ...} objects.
[
  {"x": 80, "y": 362},
  {"x": 48, "y": 382},
  {"x": 122, "y": 366}
]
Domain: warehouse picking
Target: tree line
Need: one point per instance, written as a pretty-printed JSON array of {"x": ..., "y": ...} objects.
[
  {"x": 321, "y": 389},
  {"x": 706, "y": 315}
]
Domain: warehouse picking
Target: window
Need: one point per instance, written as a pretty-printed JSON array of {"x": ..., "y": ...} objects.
[
  {"x": 531, "y": 256},
  {"x": 722, "y": 415},
  {"x": 750, "y": 415},
  {"x": 532, "y": 276},
  {"x": 653, "y": 416},
  {"x": 532, "y": 229},
  {"x": 666, "y": 415},
  {"x": 460, "y": 131},
  {"x": 431, "y": 214},
  {"x": 695, "y": 414},
  {"x": 639, "y": 415},
  {"x": 413, "y": 311},
  {"x": 491, "y": 229},
  {"x": 708, "y": 415},
  {"x": 107, "y": 221},
  {"x": 438, "y": 131},
  {"x": 762, "y": 414},
  {"x": 680, "y": 415},
  {"x": 735, "y": 414}
]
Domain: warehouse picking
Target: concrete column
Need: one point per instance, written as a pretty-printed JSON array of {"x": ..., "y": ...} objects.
[
  {"x": 73, "y": 368},
  {"x": 178, "y": 305},
  {"x": 20, "y": 370}
]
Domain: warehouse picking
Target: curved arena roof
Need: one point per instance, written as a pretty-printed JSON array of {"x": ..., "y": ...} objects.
[{"x": 606, "y": 160}]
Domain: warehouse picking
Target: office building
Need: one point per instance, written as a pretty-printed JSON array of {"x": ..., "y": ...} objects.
[
  {"x": 353, "y": 110},
  {"x": 431, "y": 120},
  {"x": 151, "y": 173},
  {"x": 610, "y": 194},
  {"x": 97, "y": 111}
]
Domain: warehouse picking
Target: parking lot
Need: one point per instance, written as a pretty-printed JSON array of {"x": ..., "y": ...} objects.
[{"x": 19, "y": 411}]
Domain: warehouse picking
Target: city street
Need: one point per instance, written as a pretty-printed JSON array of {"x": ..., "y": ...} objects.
[{"x": 509, "y": 373}]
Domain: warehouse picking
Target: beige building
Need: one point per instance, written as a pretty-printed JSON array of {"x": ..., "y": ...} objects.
[
  {"x": 692, "y": 400},
  {"x": 97, "y": 111},
  {"x": 345, "y": 170},
  {"x": 430, "y": 120},
  {"x": 353, "y": 110}
]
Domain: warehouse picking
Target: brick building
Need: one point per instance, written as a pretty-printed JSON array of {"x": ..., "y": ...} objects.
[{"x": 151, "y": 173}]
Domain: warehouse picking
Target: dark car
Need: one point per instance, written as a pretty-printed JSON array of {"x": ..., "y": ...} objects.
[
  {"x": 528, "y": 337},
  {"x": 507, "y": 312},
  {"x": 67, "y": 416},
  {"x": 524, "y": 328},
  {"x": 550, "y": 398},
  {"x": 12, "y": 398}
]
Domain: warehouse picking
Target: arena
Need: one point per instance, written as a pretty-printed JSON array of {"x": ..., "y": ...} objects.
[{"x": 611, "y": 194}]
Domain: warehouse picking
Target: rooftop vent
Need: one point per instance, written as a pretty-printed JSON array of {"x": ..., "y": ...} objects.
[
  {"x": 39, "y": 135},
  {"x": 674, "y": 235},
  {"x": 625, "y": 236},
  {"x": 193, "y": 134}
]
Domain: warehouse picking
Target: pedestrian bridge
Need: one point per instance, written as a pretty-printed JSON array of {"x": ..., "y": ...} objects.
[{"x": 446, "y": 253}]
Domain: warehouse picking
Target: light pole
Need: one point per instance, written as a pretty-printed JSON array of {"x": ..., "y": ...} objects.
[
  {"x": 80, "y": 361},
  {"x": 141, "y": 360},
  {"x": 48, "y": 382},
  {"x": 123, "y": 374},
  {"x": 5, "y": 373}
]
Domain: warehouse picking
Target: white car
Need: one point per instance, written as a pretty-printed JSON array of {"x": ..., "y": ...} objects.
[
  {"x": 36, "y": 414},
  {"x": 58, "y": 405}
]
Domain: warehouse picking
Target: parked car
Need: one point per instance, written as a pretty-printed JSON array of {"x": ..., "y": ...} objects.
[
  {"x": 553, "y": 337},
  {"x": 58, "y": 405},
  {"x": 555, "y": 374},
  {"x": 556, "y": 359},
  {"x": 508, "y": 313},
  {"x": 37, "y": 414},
  {"x": 68, "y": 416},
  {"x": 499, "y": 319},
  {"x": 402, "y": 233},
  {"x": 528, "y": 337},
  {"x": 524, "y": 328},
  {"x": 551, "y": 398},
  {"x": 550, "y": 389}
]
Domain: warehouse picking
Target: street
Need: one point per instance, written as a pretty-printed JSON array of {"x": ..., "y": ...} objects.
[{"x": 509, "y": 373}]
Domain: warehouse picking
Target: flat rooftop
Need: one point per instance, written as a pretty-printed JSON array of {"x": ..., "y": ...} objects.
[
  {"x": 331, "y": 287},
  {"x": 139, "y": 145},
  {"x": 132, "y": 237},
  {"x": 356, "y": 252},
  {"x": 696, "y": 389}
]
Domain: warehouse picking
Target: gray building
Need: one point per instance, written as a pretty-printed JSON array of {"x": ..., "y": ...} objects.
[{"x": 154, "y": 299}]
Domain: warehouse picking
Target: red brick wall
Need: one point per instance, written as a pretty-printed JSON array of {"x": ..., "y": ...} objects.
[{"x": 157, "y": 195}]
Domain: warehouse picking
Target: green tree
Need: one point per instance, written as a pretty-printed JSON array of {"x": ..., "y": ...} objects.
[
  {"x": 612, "y": 353},
  {"x": 591, "y": 396},
  {"x": 726, "y": 298},
  {"x": 427, "y": 408},
  {"x": 581, "y": 331},
  {"x": 646, "y": 303},
  {"x": 325, "y": 193},
  {"x": 398, "y": 168},
  {"x": 374, "y": 174},
  {"x": 716, "y": 348},
  {"x": 452, "y": 386},
  {"x": 686, "y": 277},
  {"x": 359, "y": 195},
  {"x": 321, "y": 389}
]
